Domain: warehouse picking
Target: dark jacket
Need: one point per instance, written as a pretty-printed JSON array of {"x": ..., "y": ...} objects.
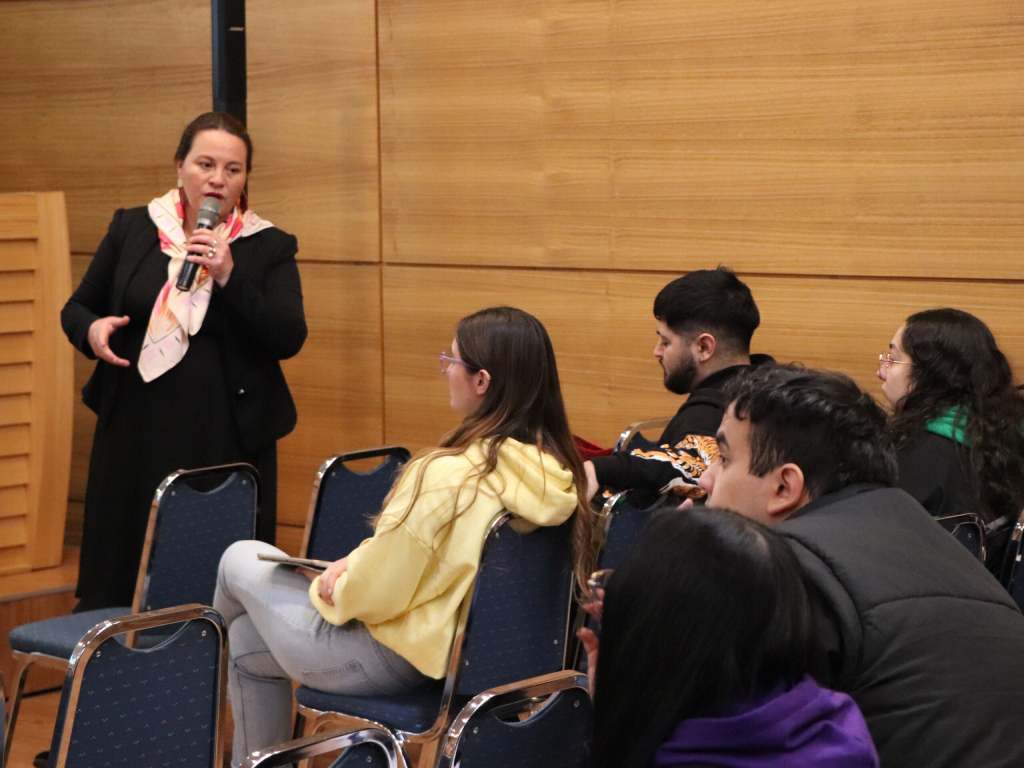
[
  {"x": 919, "y": 634},
  {"x": 699, "y": 415},
  {"x": 265, "y": 321}
]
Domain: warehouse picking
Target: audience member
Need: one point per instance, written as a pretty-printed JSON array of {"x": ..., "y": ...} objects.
[
  {"x": 915, "y": 630},
  {"x": 954, "y": 411},
  {"x": 704, "y": 323},
  {"x": 706, "y": 653},
  {"x": 382, "y": 619}
]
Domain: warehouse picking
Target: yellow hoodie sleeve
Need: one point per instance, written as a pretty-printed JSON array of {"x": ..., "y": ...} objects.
[{"x": 386, "y": 573}]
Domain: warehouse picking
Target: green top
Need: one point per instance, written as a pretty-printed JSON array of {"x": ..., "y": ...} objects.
[{"x": 950, "y": 425}]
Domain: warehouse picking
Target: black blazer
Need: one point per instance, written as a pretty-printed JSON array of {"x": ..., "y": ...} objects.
[{"x": 264, "y": 321}]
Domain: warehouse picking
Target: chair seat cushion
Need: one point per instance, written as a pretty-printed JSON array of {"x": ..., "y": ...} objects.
[
  {"x": 59, "y": 636},
  {"x": 413, "y": 712}
]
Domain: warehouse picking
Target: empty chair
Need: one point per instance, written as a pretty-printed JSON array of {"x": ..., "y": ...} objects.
[
  {"x": 161, "y": 705},
  {"x": 344, "y": 500},
  {"x": 195, "y": 516},
  {"x": 514, "y": 626},
  {"x": 509, "y": 727},
  {"x": 367, "y": 748}
]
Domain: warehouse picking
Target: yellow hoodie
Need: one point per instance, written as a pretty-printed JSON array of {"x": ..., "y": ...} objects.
[{"x": 406, "y": 582}]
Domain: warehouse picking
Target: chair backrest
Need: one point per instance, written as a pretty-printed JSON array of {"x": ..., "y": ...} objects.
[
  {"x": 517, "y": 622},
  {"x": 624, "y": 520},
  {"x": 197, "y": 514},
  {"x": 510, "y": 728},
  {"x": 366, "y": 748},
  {"x": 344, "y": 500},
  {"x": 1013, "y": 563},
  {"x": 632, "y": 434},
  {"x": 122, "y": 706},
  {"x": 969, "y": 530}
]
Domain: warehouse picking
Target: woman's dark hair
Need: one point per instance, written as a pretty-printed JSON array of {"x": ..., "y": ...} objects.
[
  {"x": 523, "y": 401},
  {"x": 214, "y": 121},
  {"x": 956, "y": 363},
  {"x": 819, "y": 420},
  {"x": 709, "y": 610}
]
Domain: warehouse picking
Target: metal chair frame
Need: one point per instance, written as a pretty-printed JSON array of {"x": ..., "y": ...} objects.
[
  {"x": 95, "y": 637},
  {"x": 327, "y": 466},
  {"x": 526, "y": 691},
  {"x": 428, "y": 740},
  {"x": 627, "y": 435},
  {"x": 25, "y": 661},
  {"x": 320, "y": 744}
]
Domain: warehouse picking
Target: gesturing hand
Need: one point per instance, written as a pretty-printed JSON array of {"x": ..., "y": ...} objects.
[
  {"x": 328, "y": 579},
  {"x": 99, "y": 338}
]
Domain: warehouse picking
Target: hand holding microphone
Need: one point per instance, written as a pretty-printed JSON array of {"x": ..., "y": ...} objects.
[{"x": 206, "y": 249}]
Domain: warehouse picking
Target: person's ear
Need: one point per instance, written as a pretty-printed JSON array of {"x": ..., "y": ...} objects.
[
  {"x": 788, "y": 493},
  {"x": 706, "y": 345},
  {"x": 481, "y": 382}
]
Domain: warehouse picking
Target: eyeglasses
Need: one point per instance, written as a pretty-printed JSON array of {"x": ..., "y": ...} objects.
[
  {"x": 447, "y": 361},
  {"x": 886, "y": 359}
]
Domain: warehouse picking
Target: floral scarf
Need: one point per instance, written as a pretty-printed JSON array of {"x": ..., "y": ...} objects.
[{"x": 176, "y": 315}]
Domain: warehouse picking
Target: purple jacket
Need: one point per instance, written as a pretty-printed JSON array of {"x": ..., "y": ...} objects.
[{"x": 805, "y": 726}]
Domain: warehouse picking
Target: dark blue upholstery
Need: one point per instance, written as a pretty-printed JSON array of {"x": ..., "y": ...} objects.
[
  {"x": 346, "y": 500},
  {"x": 516, "y": 629},
  {"x": 628, "y": 519},
  {"x": 193, "y": 529},
  {"x": 556, "y": 737},
  {"x": 362, "y": 756},
  {"x": 146, "y": 708},
  {"x": 414, "y": 712}
]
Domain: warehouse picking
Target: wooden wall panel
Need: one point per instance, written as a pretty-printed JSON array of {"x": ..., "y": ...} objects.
[
  {"x": 603, "y": 333},
  {"x": 93, "y": 97},
  {"x": 336, "y": 380},
  {"x": 313, "y": 117},
  {"x": 872, "y": 138}
]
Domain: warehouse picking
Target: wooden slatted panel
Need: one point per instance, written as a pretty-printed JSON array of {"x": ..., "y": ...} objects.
[
  {"x": 14, "y": 440},
  {"x": 19, "y": 219},
  {"x": 15, "y": 286},
  {"x": 15, "y": 378},
  {"x": 16, "y": 316},
  {"x": 13, "y": 471},
  {"x": 14, "y": 409},
  {"x": 17, "y": 255},
  {"x": 16, "y": 348},
  {"x": 603, "y": 334},
  {"x": 14, "y": 502}
]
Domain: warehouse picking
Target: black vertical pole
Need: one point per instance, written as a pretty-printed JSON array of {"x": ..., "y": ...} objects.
[{"x": 229, "y": 89}]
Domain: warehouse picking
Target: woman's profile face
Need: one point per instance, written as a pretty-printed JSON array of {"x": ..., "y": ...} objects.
[
  {"x": 466, "y": 389},
  {"x": 895, "y": 375},
  {"x": 214, "y": 166}
]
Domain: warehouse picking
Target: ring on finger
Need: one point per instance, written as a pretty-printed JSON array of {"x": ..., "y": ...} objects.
[{"x": 210, "y": 252}]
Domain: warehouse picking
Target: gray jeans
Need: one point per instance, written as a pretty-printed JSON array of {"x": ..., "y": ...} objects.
[{"x": 275, "y": 635}]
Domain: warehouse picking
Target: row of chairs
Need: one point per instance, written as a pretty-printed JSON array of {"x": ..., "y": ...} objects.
[{"x": 496, "y": 628}]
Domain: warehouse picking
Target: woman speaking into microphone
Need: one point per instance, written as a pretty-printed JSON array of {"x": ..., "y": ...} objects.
[{"x": 188, "y": 370}]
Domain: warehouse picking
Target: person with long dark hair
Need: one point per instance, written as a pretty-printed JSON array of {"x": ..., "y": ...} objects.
[
  {"x": 186, "y": 377},
  {"x": 382, "y": 618},
  {"x": 706, "y": 653},
  {"x": 957, "y": 420}
]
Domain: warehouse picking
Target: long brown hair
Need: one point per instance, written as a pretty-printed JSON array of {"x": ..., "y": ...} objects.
[{"x": 523, "y": 402}]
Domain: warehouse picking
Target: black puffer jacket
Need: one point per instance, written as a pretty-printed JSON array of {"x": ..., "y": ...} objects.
[{"x": 919, "y": 633}]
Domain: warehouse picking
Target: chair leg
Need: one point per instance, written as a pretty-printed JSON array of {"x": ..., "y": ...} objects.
[
  {"x": 429, "y": 753},
  {"x": 23, "y": 663}
]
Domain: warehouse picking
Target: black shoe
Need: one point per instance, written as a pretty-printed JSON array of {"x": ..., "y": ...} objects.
[{"x": 42, "y": 760}]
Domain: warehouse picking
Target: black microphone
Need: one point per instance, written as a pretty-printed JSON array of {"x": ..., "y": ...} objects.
[{"x": 207, "y": 218}]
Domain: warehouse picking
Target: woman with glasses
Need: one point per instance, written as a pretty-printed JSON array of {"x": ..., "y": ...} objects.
[
  {"x": 958, "y": 419},
  {"x": 708, "y": 641},
  {"x": 382, "y": 619}
]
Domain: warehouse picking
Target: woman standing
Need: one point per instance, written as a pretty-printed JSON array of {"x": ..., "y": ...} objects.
[
  {"x": 958, "y": 420},
  {"x": 184, "y": 378}
]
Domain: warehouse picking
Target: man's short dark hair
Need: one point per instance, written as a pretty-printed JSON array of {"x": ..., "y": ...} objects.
[
  {"x": 711, "y": 300},
  {"x": 819, "y": 420}
]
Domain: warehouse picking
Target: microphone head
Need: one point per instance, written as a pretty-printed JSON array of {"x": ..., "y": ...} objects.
[{"x": 209, "y": 213}]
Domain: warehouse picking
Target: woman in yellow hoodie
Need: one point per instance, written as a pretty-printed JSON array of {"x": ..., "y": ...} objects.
[{"x": 382, "y": 619}]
